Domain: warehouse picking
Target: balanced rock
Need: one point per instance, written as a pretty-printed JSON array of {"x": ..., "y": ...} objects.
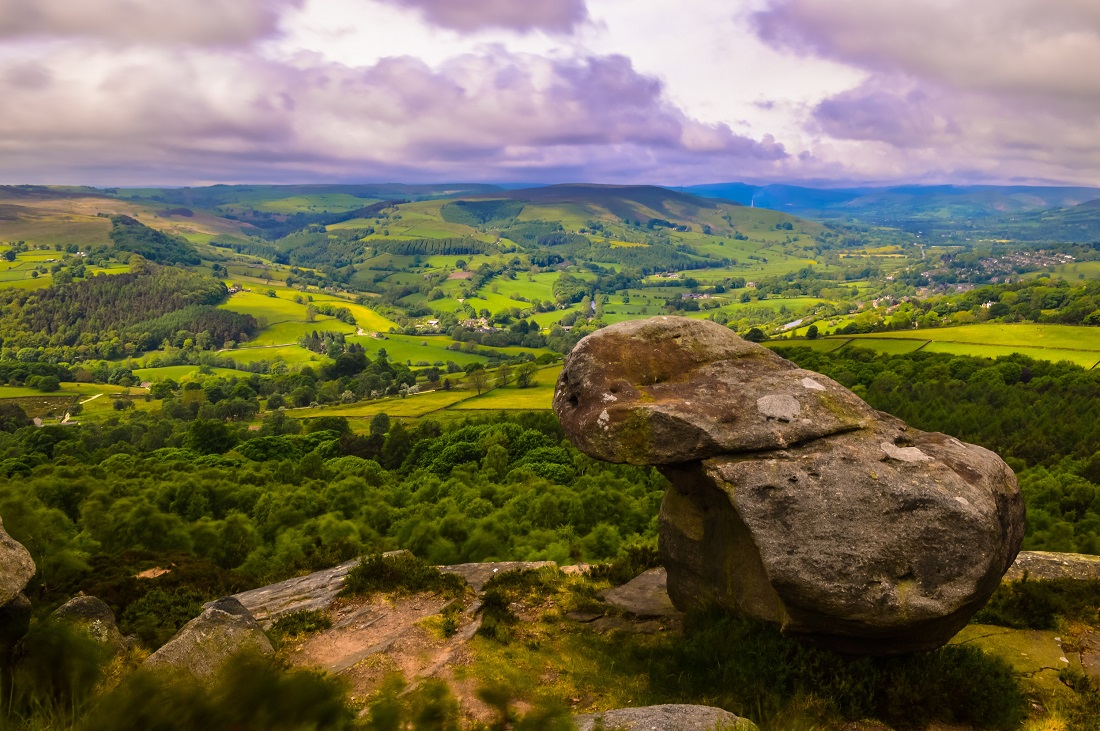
[
  {"x": 793, "y": 501},
  {"x": 16, "y": 567},
  {"x": 205, "y": 643}
]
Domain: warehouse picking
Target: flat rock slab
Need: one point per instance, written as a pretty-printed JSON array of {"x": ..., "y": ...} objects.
[
  {"x": 315, "y": 591},
  {"x": 311, "y": 592},
  {"x": 645, "y": 595},
  {"x": 478, "y": 574},
  {"x": 665, "y": 718},
  {"x": 1046, "y": 566}
]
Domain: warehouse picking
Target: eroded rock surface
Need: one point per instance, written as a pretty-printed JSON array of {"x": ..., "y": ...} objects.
[
  {"x": 16, "y": 567},
  {"x": 673, "y": 717},
  {"x": 793, "y": 500}
]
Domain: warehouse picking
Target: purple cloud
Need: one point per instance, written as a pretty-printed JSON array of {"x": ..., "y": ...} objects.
[
  {"x": 994, "y": 90},
  {"x": 895, "y": 116},
  {"x": 556, "y": 16},
  {"x": 231, "y": 116},
  {"x": 200, "y": 22}
]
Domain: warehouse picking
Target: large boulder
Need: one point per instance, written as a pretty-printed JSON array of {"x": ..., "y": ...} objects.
[
  {"x": 204, "y": 644},
  {"x": 793, "y": 501},
  {"x": 675, "y": 717},
  {"x": 16, "y": 567}
]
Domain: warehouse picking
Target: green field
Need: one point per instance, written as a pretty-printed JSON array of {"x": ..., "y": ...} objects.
[
  {"x": 290, "y": 354},
  {"x": 1085, "y": 359},
  {"x": 1076, "y": 344},
  {"x": 539, "y": 395},
  {"x": 1067, "y": 337},
  {"x": 283, "y": 333},
  {"x": 176, "y": 373},
  {"x": 416, "y": 405},
  {"x": 893, "y": 346},
  {"x": 269, "y": 310}
]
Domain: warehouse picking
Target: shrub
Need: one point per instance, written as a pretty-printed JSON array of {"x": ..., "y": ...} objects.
[
  {"x": 300, "y": 623},
  {"x": 1026, "y": 604},
  {"x": 402, "y": 573},
  {"x": 750, "y": 668}
]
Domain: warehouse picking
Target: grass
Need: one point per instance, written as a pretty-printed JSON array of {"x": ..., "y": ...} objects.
[
  {"x": 176, "y": 373},
  {"x": 820, "y": 345},
  {"x": 1085, "y": 359},
  {"x": 283, "y": 333},
  {"x": 892, "y": 346},
  {"x": 416, "y": 348},
  {"x": 412, "y": 406},
  {"x": 538, "y": 396},
  {"x": 269, "y": 310},
  {"x": 290, "y": 354},
  {"x": 1066, "y": 337}
]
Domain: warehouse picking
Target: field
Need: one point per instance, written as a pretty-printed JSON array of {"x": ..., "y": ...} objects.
[
  {"x": 1076, "y": 344},
  {"x": 290, "y": 354},
  {"x": 538, "y": 396},
  {"x": 177, "y": 373}
]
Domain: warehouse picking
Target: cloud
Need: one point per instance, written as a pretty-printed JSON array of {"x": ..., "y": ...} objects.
[
  {"x": 186, "y": 114},
  {"x": 1040, "y": 47},
  {"x": 202, "y": 22},
  {"x": 556, "y": 16},
  {"x": 994, "y": 90}
]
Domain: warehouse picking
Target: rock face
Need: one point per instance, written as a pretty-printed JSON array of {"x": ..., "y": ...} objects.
[
  {"x": 203, "y": 645},
  {"x": 665, "y": 718},
  {"x": 793, "y": 500},
  {"x": 16, "y": 567}
]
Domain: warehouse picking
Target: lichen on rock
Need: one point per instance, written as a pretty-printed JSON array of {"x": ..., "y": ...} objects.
[{"x": 793, "y": 501}]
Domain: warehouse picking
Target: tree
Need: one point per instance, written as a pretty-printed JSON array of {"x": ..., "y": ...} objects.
[
  {"x": 811, "y": 332},
  {"x": 380, "y": 424},
  {"x": 525, "y": 374},
  {"x": 478, "y": 379},
  {"x": 209, "y": 436},
  {"x": 755, "y": 335},
  {"x": 504, "y": 375}
]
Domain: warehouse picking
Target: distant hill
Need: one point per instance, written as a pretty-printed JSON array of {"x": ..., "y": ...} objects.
[
  {"x": 625, "y": 202},
  {"x": 889, "y": 205}
]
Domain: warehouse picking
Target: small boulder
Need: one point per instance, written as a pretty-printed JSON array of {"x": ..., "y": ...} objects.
[
  {"x": 646, "y": 595},
  {"x": 94, "y": 618},
  {"x": 16, "y": 567},
  {"x": 665, "y": 718},
  {"x": 205, "y": 643},
  {"x": 793, "y": 501}
]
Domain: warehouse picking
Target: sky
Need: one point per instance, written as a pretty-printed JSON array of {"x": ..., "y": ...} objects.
[{"x": 189, "y": 92}]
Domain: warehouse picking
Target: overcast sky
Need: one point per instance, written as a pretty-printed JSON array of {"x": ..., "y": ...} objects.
[{"x": 124, "y": 92}]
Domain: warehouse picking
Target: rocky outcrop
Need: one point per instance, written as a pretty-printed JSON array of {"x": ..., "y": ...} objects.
[
  {"x": 204, "y": 644},
  {"x": 16, "y": 567},
  {"x": 1043, "y": 566},
  {"x": 476, "y": 575},
  {"x": 794, "y": 501},
  {"x": 94, "y": 618},
  {"x": 665, "y": 718}
]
